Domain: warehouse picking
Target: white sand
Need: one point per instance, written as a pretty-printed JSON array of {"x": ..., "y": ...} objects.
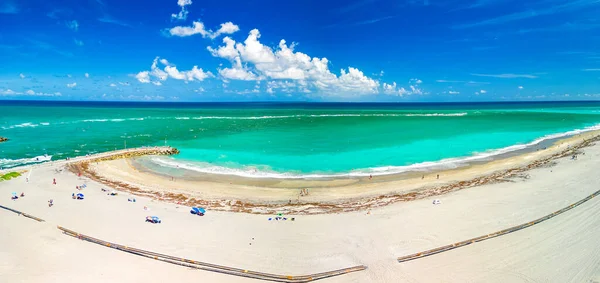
[{"x": 563, "y": 249}]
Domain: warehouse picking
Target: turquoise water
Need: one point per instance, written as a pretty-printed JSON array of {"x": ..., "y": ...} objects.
[{"x": 286, "y": 139}]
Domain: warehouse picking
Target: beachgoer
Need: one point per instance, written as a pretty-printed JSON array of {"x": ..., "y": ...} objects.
[
  {"x": 54, "y": 181},
  {"x": 370, "y": 177},
  {"x": 422, "y": 177},
  {"x": 438, "y": 176},
  {"x": 50, "y": 203},
  {"x": 22, "y": 194}
]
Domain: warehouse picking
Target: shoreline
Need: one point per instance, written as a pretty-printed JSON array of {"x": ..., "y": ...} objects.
[
  {"x": 335, "y": 196},
  {"x": 424, "y": 167}
]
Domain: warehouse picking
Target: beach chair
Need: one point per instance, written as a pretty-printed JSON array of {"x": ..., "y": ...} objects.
[{"x": 79, "y": 196}]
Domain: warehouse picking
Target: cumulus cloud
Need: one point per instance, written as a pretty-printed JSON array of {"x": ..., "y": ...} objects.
[
  {"x": 182, "y": 15},
  {"x": 73, "y": 25},
  {"x": 71, "y": 85},
  {"x": 170, "y": 70},
  {"x": 520, "y": 87},
  {"x": 21, "y": 75},
  {"x": 483, "y": 91},
  {"x": 453, "y": 92},
  {"x": 87, "y": 75},
  {"x": 199, "y": 28},
  {"x": 114, "y": 85},
  {"x": 78, "y": 42},
  {"x": 393, "y": 89},
  {"x": 415, "y": 81},
  {"x": 253, "y": 60},
  {"x": 142, "y": 77}
]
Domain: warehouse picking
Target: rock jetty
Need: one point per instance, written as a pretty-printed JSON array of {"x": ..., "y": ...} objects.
[
  {"x": 135, "y": 152},
  {"x": 3, "y": 139}
]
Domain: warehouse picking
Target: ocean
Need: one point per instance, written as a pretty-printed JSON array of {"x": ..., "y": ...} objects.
[{"x": 292, "y": 140}]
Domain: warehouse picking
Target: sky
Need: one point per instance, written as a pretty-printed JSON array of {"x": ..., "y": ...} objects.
[{"x": 300, "y": 50}]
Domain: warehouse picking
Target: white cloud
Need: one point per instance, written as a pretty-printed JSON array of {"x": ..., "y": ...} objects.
[
  {"x": 72, "y": 25},
  {"x": 71, "y": 85},
  {"x": 392, "y": 89},
  {"x": 507, "y": 76},
  {"x": 157, "y": 83},
  {"x": 171, "y": 70},
  {"x": 453, "y": 92},
  {"x": 78, "y": 42},
  {"x": 199, "y": 28},
  {"x": 9, "y": 92},
  {"x": 253, "y": 60},
  {"x": 87, "y": 75},
  {"x": 114, "y": 85},
  {"x": 124, "y": 83},
  {"x": 415, "y": 81},
  {"x": 483, "y": 91},
  {"x": 21, "y": 75},
  {"x": 591, "y": 70},
  {"x": 520, "y": 87},
  {"x": 182, "y": 15},
  {"x": 199, "y": 90}
]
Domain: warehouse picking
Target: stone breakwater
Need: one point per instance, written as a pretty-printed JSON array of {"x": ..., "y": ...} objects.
[
  {"x": 135, "y": 152},
  {"x": 3, "y": 139}
]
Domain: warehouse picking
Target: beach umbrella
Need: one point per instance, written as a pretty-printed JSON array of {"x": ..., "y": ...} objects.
[{"x": 202, "y": 210}]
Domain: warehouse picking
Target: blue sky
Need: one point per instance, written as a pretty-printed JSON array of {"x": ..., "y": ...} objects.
[{"x": 353, "y": 50}]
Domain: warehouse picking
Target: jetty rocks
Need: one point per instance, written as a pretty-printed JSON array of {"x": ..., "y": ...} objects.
[
  {"x": 137, "y": 152},
  {"x": 3, "y": 139}
]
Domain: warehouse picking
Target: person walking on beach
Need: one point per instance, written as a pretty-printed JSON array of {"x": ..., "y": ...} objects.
[
  {"x": 438, "y": 176},
  {"x": 54, "y": 181}
]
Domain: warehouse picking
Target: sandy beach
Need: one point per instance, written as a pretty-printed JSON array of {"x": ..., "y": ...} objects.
[
  {"x": 269, "y": 196},
  {"x": 562, "y": 249}
]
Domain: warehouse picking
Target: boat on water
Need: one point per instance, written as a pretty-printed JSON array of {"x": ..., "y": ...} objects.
[{"x": 42, "y": 158}]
